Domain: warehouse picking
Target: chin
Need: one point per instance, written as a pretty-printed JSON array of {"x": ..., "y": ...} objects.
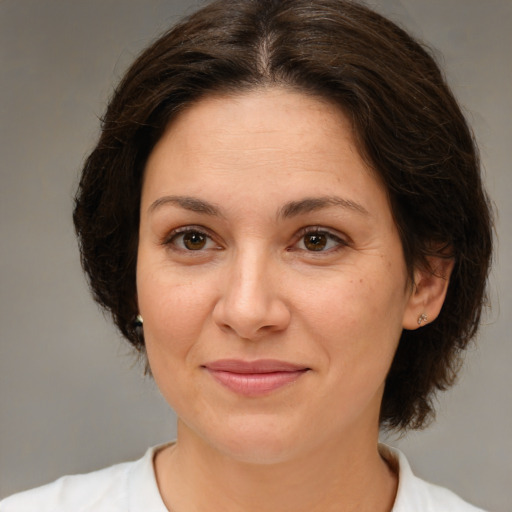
[{"x": 254, "y": 442}]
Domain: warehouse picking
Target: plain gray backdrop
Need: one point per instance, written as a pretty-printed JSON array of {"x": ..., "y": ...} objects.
[{"x": 71, "y": 397}]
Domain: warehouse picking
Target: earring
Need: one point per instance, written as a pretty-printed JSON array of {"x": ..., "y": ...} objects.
[
  {"x": 137, "y": 331},
  {"x": 422, "y": 318}
]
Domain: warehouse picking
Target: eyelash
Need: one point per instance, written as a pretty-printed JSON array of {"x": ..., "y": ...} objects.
[
  {"x": 340, "y": 243},
  {"x": 171, "y": 240}
]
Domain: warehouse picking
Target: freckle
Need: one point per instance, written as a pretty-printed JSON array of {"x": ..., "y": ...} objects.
[{"x": 360, "y": 280}]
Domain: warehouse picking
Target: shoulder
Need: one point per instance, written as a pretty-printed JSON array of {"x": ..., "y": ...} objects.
[
  {"x": 116, "y": 488},
  {"x": 91, "y": 491},
  {"x": 417, "y": 494}
]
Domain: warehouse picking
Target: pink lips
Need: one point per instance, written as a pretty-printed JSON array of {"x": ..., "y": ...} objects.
[{"x": 254, "y": 378}]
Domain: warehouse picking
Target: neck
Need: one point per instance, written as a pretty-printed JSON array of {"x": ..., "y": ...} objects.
[{"x": 347, "y": 476}]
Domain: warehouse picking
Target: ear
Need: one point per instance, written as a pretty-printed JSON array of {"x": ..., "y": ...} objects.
[{"x": 428, "y": 292}]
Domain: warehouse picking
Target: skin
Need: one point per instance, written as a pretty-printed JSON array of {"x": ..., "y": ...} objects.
[{"x": 251, "y": 288}]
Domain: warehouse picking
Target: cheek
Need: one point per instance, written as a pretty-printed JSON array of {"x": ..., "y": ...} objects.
[
  {"x": 358, "y": 316},
  {"x": 174, "y": 316},
  {"x": 173, "y": 309}
]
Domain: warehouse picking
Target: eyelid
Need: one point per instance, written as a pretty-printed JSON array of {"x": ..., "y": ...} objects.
[
  {"x": 183, "y": 230},
  {"x": 341, "y": 239}
]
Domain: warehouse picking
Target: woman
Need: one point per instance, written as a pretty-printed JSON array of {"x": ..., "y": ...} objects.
[{"x": 284, "y": 214}]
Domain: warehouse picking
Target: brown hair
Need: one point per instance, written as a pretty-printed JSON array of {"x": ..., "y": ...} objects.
[{"x": 407, "y": 123}]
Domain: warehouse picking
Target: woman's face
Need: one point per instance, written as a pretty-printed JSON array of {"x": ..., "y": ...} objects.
[{"x": 270, "y": 276}]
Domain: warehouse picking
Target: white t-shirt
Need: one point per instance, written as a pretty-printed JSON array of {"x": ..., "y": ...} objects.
[{"x": 132, "y": 487}]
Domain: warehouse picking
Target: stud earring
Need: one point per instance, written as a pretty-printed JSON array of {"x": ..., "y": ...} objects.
[
  {"x": 139, "y": 321},
  {"x": 422, "y": 318}
]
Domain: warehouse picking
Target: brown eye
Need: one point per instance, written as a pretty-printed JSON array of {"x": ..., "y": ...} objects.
[
  {"x": 194, "y": 241},
  {"x": 315, "y": 241}
]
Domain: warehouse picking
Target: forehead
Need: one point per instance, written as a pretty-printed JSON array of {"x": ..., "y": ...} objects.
[
  {"x": 273, "y": 138},
  {"x": 293, "y": 121}
]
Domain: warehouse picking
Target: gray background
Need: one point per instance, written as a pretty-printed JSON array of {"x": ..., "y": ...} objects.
[{"x": 72, "y": 398}]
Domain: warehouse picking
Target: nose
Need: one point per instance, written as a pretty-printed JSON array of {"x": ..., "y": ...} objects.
[{"x": 251, "y": 303}]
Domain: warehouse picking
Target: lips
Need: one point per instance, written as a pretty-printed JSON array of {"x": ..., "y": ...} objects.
[{"x": 254, "y": 378}]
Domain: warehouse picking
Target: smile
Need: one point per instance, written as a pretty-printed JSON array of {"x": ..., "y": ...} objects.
[{"x": 254, "y": 378}]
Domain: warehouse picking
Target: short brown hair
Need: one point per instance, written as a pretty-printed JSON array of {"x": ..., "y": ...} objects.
[{"x": 408, "y": 126}]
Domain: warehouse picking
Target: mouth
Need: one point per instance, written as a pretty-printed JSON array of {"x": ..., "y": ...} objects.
[{"x": 254, "y": 378}]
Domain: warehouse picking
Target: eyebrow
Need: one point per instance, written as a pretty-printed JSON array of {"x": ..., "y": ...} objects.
[
  {"x": 187, "y": 203},
  {"x": 312, "y": 204},
  {"x": 291, "y": 209}
]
